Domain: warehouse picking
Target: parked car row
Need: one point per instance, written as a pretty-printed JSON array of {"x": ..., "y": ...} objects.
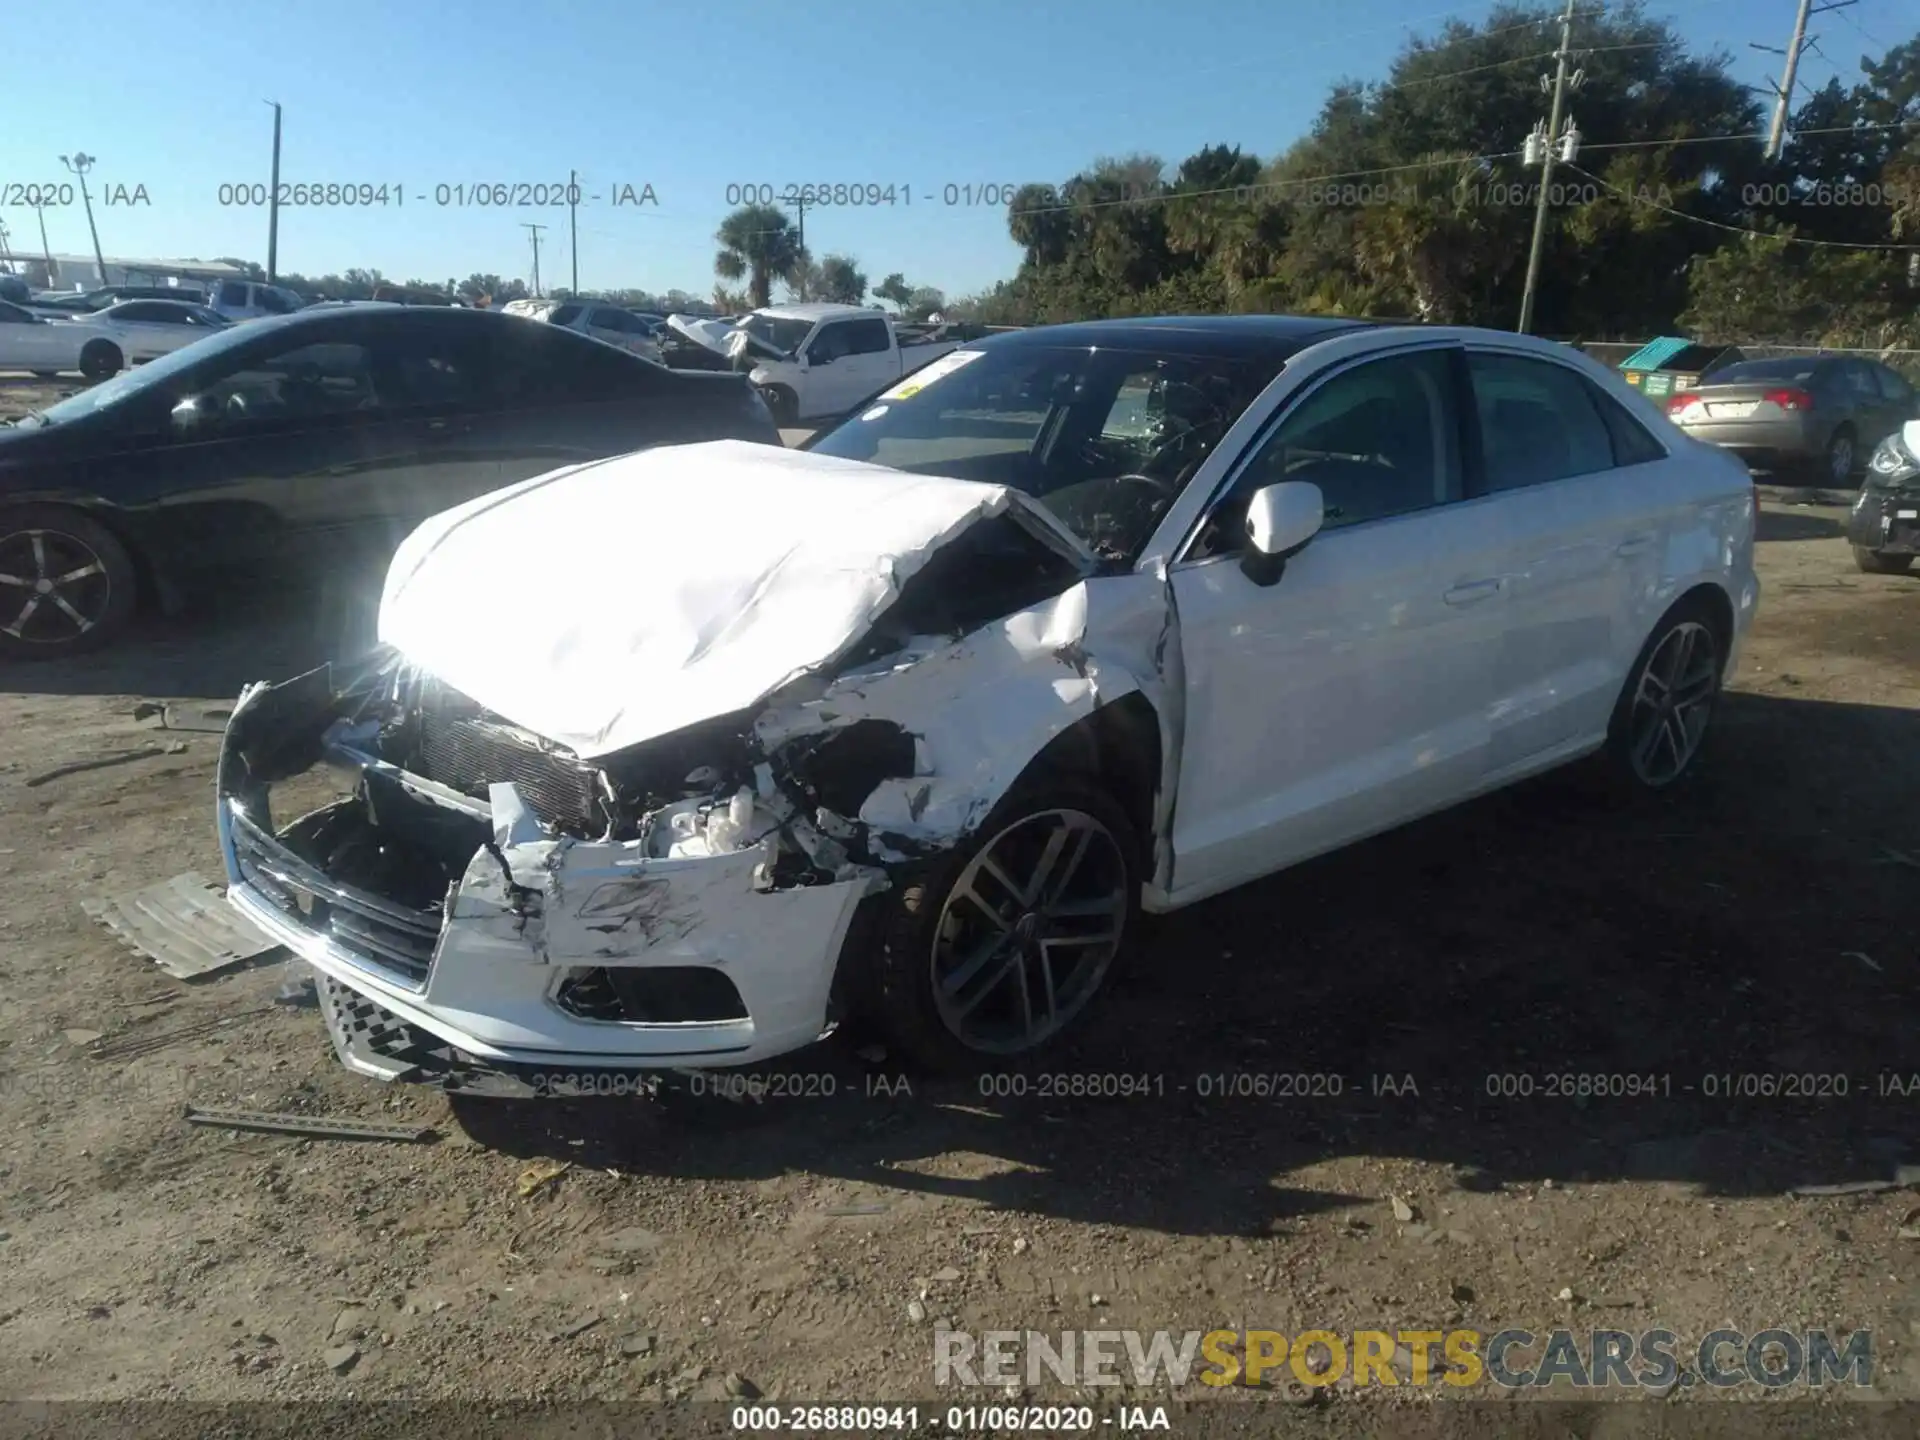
[
  {"x": 916, "y": 721},
  {"x": 103, "y": 342}
]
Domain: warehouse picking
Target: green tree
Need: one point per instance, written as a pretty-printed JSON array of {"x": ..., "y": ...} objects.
[
  {"x": 896, "y": 289},
  {"x": 758, "y": 244}
]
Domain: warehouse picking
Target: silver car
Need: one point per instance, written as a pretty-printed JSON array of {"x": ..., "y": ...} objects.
[{"x": 1817, "y": 415}]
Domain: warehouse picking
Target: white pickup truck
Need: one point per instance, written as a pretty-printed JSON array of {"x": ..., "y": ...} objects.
[{"x": 816, "y": 362}]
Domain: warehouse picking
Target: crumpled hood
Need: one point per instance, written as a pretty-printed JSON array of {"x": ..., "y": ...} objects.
[
  {"x": 609, "y": 603},
  {"x": 710, "y": 333}
]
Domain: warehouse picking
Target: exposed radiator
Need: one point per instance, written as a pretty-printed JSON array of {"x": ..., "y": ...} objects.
[{"x": 470, "y": 754}]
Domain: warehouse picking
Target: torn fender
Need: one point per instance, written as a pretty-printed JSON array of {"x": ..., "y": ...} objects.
[{"x": 982, "y": 708}]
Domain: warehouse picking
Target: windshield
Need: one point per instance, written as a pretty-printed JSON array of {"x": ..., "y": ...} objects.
[
  {"x": 1104, "y": 439},
  {"x": 783, "y": 335},
  {"x": 143, "y": 379}
]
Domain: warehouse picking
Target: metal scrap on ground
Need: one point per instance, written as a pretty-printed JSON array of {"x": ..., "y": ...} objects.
[
  {"x": 203, "y": 720},
  {"x": 306, "y": 1125},
  {"x": 101, "y": 762},
  {"x": 183, "y": 925}
]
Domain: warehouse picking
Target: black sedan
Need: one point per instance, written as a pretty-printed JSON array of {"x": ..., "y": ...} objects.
[{"x": 309, "y": 442}]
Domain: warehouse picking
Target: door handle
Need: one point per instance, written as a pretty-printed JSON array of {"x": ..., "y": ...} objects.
[
  {"x": 1472, "y": 592},
  {"x": 1634, "y": 545}
]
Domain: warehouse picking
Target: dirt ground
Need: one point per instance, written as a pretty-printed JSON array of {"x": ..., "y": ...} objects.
[{"x": 1761, "y": 919}]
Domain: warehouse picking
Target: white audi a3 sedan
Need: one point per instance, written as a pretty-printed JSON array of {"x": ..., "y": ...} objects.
[{"x": 677, "y": 759}]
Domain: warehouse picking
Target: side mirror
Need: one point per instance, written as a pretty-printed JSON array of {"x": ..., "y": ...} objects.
[{"x": 1281, "y": 519}]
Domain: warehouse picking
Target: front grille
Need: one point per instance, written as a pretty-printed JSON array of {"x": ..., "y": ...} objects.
[
  {"x": 385, "y": 936},
  {"x": 470, "y": 754},
  {"x": 652, "y": 995}
]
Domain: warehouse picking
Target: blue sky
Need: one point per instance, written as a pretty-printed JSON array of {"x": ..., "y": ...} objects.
[{"x": 690, "y": 98}]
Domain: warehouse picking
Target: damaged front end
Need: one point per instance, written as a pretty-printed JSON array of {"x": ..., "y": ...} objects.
[{"x": 478, "y": 901}]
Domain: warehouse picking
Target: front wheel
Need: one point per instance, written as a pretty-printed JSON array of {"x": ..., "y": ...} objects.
[
  {"x": 989, "y": 953},
  {"x": 100, "y": 360},
  {"x": 1840, "y": 457},
  {"x": 1878, "y": 562},
  {"x": 1661, "y": 718},
  {"x": 66, "y": 583}
]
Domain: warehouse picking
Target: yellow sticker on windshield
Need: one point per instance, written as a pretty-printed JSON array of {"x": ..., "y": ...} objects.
[{"x": 931, "y": 373}]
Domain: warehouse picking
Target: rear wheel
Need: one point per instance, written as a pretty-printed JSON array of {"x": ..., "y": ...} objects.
[
  {"x": 66, "y": 583},
  {"x": 1878, "y": 562},
  {"x": 100, "y": 359},
  {"x": 1838, "y": 463},
  {"x": 1660, "y": 721},
  {"x": 991, "y": 952}
]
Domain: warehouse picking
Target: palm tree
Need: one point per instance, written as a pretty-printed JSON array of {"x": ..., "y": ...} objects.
[{"x": 757, "y": 243}]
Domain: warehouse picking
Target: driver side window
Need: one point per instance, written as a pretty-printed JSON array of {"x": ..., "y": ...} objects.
[
  {"x": 311, "y": 382},
  {"x": 829, "y": 344},
  {"x": 1380, "y": 439}
]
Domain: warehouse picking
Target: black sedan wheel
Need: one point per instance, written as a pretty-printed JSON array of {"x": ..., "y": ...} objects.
[
  {"x": 101, "y": 359},
  {"x": 66, "y": 583},
  {"x": 1840, "y": 457}
]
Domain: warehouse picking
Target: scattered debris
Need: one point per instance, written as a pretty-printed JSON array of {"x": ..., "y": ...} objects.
[
  {"x": 740, "y": 1387},
  {"x": 1402, "y": 1211},
  {"x": 202, "y": 720},
  {"x": 184, "y": 925},
  {"x": 82, "y": 1037},
  {"x": 1020, "y": 1245},
  {"x": 946, "y": 1274},
  {"x": 1847, "y": 1187},
  {"x": 319, "y": 1129},
  {"x": 341, "y": 1358},
  {"x": 541, "y": 1174},
  {"x": 131, "y": 1047},
  {"x": 867, "y": 1208},
  {"x": 101, "y": 762},
  {"x": 636, "y": 1345},
  {"x": 916, "y": 1312},
  {"x": 579, "y": 1327},
  {"x": 1566, "y": 1293},
  {"x": 1908, "y": 1232}
]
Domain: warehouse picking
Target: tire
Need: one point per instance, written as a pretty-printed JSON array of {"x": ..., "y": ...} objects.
[
  {"x": 100, "y": 586},
  {"x": 101, "y": 359},
  {"x": 925, "y": 924},
  {"x": 785, "y": 406},
  {"x": 1671, "y": 662},
  {"x": 1876, "y": 562},
  {"x": 1839, "y": 458}
]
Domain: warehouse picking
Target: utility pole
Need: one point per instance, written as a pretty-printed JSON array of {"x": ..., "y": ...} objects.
[
  {"x": 273, "y": 202},
  {"x": 1545, "y": 147},
  {"x": 46, "y": 250},
  {"x": 535, "y": 230},
  {"x": 1783, "y": 96},
  {"x": 573, "y": 230},
  {"x": 800, "y": 207},
  {"x": 6, "y": 246},
  {"x": 79, "y": 163}
]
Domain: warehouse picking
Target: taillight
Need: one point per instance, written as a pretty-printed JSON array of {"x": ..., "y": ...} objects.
[
  {"x": 1789, "y": 399},
  {"x": 1678, "y": 405}
]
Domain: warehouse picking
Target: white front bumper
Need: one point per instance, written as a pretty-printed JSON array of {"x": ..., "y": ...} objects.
[{"x": 490, "y": 989}]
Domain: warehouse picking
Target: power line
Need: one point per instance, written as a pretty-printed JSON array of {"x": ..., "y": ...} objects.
[
  {"x": 1740, "y": 229},
  {"x": 1554, "y": 139}
]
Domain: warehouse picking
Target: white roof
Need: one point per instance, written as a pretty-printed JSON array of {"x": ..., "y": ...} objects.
[{"x": 821, "y": 311}]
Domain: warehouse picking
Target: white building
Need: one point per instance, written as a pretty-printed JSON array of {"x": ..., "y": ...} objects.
[{"x": 82, "y": 272}]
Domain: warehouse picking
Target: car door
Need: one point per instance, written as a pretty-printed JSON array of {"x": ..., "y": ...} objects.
[
  {"x": 832, "y": 385},
  {"x": 872, "y": 360},
  {"x": 1352, "y": 694},
  {"x": 602, "y": 322},
  {"x": 27, "y": 343},
  {"x": 1573, "y": 484},
  {"x": 132, "y": 324}
]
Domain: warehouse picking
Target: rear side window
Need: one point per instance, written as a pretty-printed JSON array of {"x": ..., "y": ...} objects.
[
  {"x": 1539, "y": 422},
  {"x": 274, "y": 302},
  {"x": 232, "y": 292},
  {"x": 565, "y": 315},
  {"x": 865, "y": 337},
  {"x": 542, "y": 365},
  {"x": 1892, "y": 386}
]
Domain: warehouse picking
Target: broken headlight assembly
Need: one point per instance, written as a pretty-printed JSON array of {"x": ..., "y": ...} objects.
[{"x": 1894, "y": 460}]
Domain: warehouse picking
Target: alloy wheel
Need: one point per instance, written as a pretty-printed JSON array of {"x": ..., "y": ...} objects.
[
  {"x": 53, "y": 587},
  {"x": 1672, "y": 703},
  {"x": 1029, "y": 930}
]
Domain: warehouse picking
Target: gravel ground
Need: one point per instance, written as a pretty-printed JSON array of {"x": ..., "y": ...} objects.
[{"x": 1757, "y": 920}]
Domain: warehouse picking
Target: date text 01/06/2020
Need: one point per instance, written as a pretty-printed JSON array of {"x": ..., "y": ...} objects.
[{"x": 460, "y": 194}]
